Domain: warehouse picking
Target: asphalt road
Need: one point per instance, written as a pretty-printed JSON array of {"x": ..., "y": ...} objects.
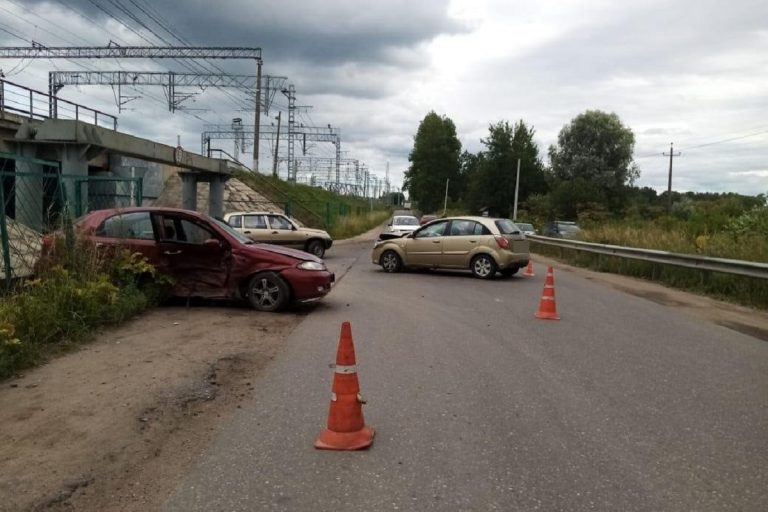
[{"x": 623, "y": 405}]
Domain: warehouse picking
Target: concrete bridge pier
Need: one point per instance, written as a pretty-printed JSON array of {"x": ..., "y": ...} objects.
[
  {"x": 189, "y": 181},
  {"x": 28, "y": 205},
  {"x": 188, "y": 190},
  {"x": 74, "y": 160}
]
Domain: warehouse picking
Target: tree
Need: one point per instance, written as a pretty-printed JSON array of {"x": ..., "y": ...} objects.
[
  {"x": 492, "y": 184},
  {"x": 596, "y": 149},
  {"x": 434, "y": 159}
]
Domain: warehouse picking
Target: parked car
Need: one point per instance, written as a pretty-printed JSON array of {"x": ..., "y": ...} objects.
[
  {"x": 481, "y": 244},
  {"x": 562, "y": 229},
  {"x": 279, "y": 229},
  {"x": 526, "y": 227},
  {"x": 401, "y": 224},
  {"x": 206, "y": 257},
  {"x": 426, "y": 219}
]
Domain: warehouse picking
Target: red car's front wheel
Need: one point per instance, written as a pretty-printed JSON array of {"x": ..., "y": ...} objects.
[{"x": 268, "y": 292}]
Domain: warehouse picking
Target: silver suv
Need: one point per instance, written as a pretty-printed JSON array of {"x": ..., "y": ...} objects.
[{"x": 278, "y": 229}]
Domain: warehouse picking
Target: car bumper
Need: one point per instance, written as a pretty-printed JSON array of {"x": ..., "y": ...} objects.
[
  {"x": 512, "y": 259},
  {"x": 309, "y": 285}
]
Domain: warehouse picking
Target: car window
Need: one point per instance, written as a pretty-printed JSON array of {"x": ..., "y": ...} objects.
[
  {"x": 279, "y": 222},
  {"x": 236, "y": 221},
  {"x": 135, "y": 225},
  {"x": 234, "y": 234},
  {"x": 506, "y": 226},
  {"x": 176, "y": 229},
  {"x": 254, "y": 222},
  {"x": 433, "y": 230},
  {"x": 465, "y": 228},
  {"x": 406, "y": 221}
]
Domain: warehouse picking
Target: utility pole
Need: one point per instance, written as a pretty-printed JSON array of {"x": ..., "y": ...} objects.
[
  {"x": 277, "y": 143},
  {"x": 671, "y": 155},
  {"x": 257, "y": 118},
  {"x": 445, "y": 202},
  {"x": 517, "y": 189}
]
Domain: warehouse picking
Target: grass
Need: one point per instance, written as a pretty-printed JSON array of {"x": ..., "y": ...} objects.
[
  {"x": 720, "y": 244},
  {"x": 353, "y": 225},
  {"x": 312, "y": 206},
  {"x": 77, "y": 291}
]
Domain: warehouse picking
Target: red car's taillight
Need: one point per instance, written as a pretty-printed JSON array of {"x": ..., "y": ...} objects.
[{"x": 502, "y": 242}]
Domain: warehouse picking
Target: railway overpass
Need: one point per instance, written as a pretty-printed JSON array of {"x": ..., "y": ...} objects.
[{"x": 86, "y": 143}]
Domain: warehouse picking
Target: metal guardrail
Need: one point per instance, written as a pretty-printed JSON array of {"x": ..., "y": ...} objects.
[
  {"x": 726, "y": 266},
  {"x": 33, "y": 104}
]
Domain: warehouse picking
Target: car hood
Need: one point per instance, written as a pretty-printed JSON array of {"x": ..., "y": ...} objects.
[
  {"x": 285, "y": 251},
  {"x": 389, "y": 235},
  {"x": 404, "y": 227}
]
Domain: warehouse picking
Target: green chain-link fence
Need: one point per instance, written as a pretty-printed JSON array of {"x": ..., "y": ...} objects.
[{"x": 37, "y": 199}]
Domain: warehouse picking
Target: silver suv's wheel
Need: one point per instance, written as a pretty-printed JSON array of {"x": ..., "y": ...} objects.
[
  {"x": 483, "y": 266},
  {"x": 391, "y": 262},
  {"x": 317, "y": 248}
]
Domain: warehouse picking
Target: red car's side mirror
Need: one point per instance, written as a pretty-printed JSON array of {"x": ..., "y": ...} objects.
[{"x": 212, "y": 243}]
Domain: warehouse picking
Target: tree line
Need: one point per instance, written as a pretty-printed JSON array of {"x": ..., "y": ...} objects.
[{"x": 591, "y": 172}]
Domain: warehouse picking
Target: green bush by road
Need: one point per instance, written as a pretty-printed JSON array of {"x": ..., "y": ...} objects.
[{"x": 66, "y": 302}]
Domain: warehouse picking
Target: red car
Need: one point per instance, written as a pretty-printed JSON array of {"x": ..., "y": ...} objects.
[{"x": 207, "y": 258}]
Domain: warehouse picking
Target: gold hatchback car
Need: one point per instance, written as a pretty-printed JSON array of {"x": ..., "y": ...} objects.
[
  {"x": 480, "y": 244},
  {"x": 278, "y": 229}
]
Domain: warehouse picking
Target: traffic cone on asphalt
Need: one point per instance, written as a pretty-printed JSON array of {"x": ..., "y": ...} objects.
[
  {"x": 346, "y": 427},
  {"x": 529, "y": 270},
  {"x": 547, "y": 308}
]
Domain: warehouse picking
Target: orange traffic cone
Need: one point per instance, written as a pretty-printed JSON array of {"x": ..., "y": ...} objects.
[
  {"x": 346, "y": 427},
  {"x": 529, "y": 270},
  {"x": 547, "y": 308}
]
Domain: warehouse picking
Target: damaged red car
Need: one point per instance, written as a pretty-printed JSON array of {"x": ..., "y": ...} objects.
[{"x": 207, "y": 258}]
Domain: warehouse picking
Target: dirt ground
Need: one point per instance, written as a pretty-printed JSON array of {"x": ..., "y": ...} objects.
[{"x": 115, "y": 425}]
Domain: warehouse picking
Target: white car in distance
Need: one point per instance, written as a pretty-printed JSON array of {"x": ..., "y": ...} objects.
[{"x": 402, "y": 224}]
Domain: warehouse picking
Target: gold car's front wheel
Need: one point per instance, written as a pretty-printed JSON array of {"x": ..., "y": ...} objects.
[
  {"x": 483, "y": 266},
  {"x": 391, "y": 262}
]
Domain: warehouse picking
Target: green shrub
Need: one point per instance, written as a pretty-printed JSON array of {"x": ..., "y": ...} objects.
[{"x": 77, "y": 290}]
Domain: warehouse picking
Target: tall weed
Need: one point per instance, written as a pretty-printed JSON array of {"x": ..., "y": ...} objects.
[
  {"x": 76, "y": 291},
  {"x": 740, "y": 238},
  {"x": 352, "y": 225}
]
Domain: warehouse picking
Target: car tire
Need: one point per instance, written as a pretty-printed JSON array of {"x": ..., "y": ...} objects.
[
  {"x": 483, "y": 266},
  {"x": 391, "y": 262},
  {"x": 509, "y": 271},
  {"x": 268, "y": 292},
  {"x": 316, "y": 247}
]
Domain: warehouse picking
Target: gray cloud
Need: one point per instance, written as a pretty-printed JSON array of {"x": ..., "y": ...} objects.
[
  {"x": 320, "y": 32},
  {"x": 688, "y": 72}
]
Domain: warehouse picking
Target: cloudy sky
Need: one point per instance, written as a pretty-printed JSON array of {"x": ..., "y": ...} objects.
[{"x": 690, "y": 72}]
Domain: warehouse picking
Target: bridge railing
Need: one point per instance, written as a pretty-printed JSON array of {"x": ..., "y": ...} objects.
[
  {"x": 692, "y": 261},
  {"x": 33, "y": 104}
]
